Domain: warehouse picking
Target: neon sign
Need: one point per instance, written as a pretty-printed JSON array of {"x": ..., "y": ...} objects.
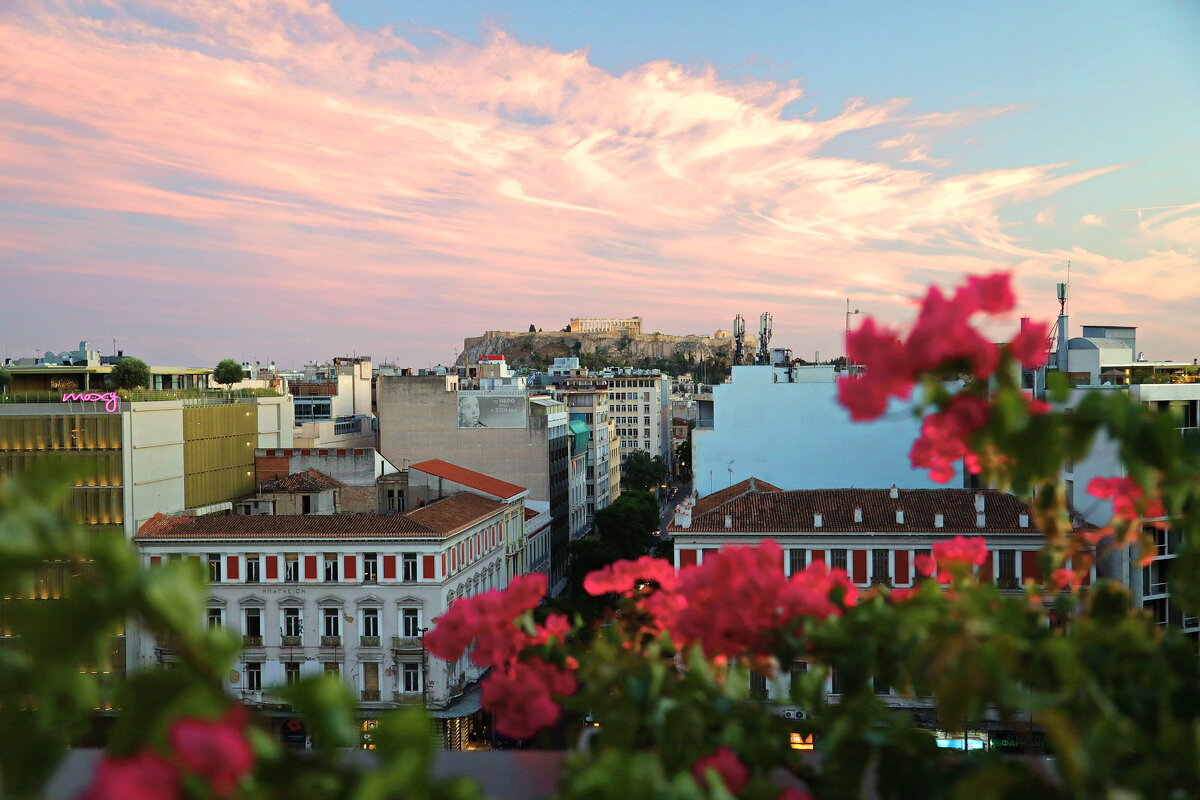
[{"x": 110, "y": 399}]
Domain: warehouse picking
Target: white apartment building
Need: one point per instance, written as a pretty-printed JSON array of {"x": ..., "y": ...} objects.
[
  {"x": 640, "y": 406},
  {"x": 587, "y": 404},
  {"x": 350, "y": 594},
  {"x": 783, "y": 424}
]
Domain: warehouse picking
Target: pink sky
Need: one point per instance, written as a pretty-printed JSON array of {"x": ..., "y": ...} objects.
[{"x": 263, "y": 180}]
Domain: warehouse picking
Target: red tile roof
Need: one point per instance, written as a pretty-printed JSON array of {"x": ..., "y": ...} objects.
[
  {"x": 306, "y": 482},
  {"x": 755, "y": 508},
  {"x": 453, "y": 513},
  {"x": 266, "y": 526},
  {"x": 471, "y": 478}
]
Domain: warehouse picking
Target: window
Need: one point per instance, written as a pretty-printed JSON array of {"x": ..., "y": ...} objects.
[
  {"x": 214, "y": 567},
  {"x": 291, "y": 568},
  {"x": 411, "y": 678},
  {"x": 795, "y": 674},
  {"x": 216, "y": 618},
  {"x": 1007, "y": 563},
  {"x": 291, "y": 670},
  {"x": 835, "y": 681},
  {"x": 331, "y": 622},
  {"x": 880, "y": 568},
  {"x": 758, "y": 685},
  {"x": 797, "y": 561},
  {"x": 253, "y": 670},
  {"x": 917, "y": 554},
  {"x": 410, "y": 567},
  {"x": 370, "y": 622},
  {"x": 410, "y": 622},
  {"x": 306, "y": 506},
  {"x": 254, "y": 622},
  {"x": 331, "y": 567},
  {"x": 333, "y": 668},
  {"x": 293, "y": 625},
  {"x": 252, "y": 575},
  {"x": 370, "y": 680},
  {"x": 370, "y": 568},
  {"x": 837, "y": 559}
]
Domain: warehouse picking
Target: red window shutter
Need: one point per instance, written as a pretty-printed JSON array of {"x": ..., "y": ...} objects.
[
  {"x": 816, "y": 555},
  {"x": 1031, "y": 566},
  {"x": 453, "y": 559},
  {"x": 687, "y": 558},
  {"x": 985, "y": 571},
  {"x": 444, "y": 563},
  {"x": 231, "y": 568},
  {"x": 310, "y": 568},
  {"x": 427, "y": 568},
  {"x": 155, "y": 561},
  {"x": 349, "y": 569},
  {"x": 389, "y": 568},
  {"x": 902, "y": 566},
  {"x": 272, "y": 567},
  {"x": 860, "y": 566}
]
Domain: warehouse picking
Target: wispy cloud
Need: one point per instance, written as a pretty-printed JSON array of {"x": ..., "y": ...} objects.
[{"x": 257, "y": 158}]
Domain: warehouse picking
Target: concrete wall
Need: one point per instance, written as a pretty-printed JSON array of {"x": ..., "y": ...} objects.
[
  {"x": 276, "y": 419},
  {"x": 154, "y": 454},
  {"x": 796, "y": 436},
  {"x": 418, "y": 420}
]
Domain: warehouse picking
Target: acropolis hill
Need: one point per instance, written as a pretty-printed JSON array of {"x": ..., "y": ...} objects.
[{"x": 536, "y": 349}]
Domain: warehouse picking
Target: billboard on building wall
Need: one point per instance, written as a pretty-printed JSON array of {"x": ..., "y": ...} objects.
[{"x": 502, "y": 407}]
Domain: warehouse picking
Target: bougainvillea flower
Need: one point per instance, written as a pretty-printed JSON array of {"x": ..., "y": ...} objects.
[
  {"x": 887, "y": 371},
  {"x": 945, "y": 434},
  {"x": 1065, "y": 579},
  {"x": 626, "y": 577},
  {"x": 521, "y": 702},
  {"x": 487, "y": 620},
  {"x": 1126, "y": 496},
  {"x": 144, "y": 776},
  {"x": 725, "y": 763},
  {"x": 808, "y": 592},
  {"x": 1029, "y": 345},
  {"x": 216, "y": 750},
  {"x": 954, "y": 557},
  {"x": 991, "y": 294}
]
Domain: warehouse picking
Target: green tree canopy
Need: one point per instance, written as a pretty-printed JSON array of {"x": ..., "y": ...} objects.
[
  {"x": 130, "y": 373},
  {"x": 5, "y": 379},
  {"x": 228, "y": 372},
  {"x": 628, "y": 524},
  {"x": 641, "y": 471}
]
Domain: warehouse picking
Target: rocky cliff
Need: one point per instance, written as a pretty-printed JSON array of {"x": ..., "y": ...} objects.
[{"x": 523, "y": 349}]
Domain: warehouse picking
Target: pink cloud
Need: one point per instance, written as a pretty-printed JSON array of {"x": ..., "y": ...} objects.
[{"x": 479, "y": 186}]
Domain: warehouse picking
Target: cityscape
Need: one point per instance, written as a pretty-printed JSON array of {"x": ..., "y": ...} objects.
[{"x": 339, "y": 479}]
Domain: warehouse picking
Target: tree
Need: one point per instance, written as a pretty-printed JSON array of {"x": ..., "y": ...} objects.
[
  {"x": 641, "y": 471},
  {"x": 5, "y": 380},
  {"x": 628, "y": 524},
  {"x": 228, "y": 372},
  {"x": 532, "y": 328},
  {"x": 130, "y": 373}
]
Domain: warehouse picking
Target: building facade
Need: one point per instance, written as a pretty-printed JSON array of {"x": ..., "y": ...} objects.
[
  {"x": 640, "y": 407},
  {"x": 617, "y": 326}
]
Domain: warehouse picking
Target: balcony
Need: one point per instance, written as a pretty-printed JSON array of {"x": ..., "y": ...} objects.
[
  {"x": 291, "y": 641},
  {"x": 252, "y": 641},
  {"x": 369, "y": 641},
  {"x": 370, "y": 695},
  {"x": 407, "y": 698},
  {"x": 251, "y": 697},
  {"x": 331, "y": 641},
  {"x": 1007, "y": 583},
  {"x": 407, "y": 643}
]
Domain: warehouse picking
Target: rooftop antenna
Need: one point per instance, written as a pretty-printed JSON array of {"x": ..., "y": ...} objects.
[
  {"x": 849, "y": 314},
  {"x": 764, "y": 338},
  {"x": 739, "y": 338}
]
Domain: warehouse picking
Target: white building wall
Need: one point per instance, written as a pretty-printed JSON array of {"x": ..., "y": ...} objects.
[
  {"x": 154, "y": 452},
  {"x": 796, "y": 436}
]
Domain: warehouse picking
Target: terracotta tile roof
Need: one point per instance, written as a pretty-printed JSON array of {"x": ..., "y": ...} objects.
[
  {"x": 454, "y": 513},
  {"x": 467, "y": 477},
  {"x": 770, "y": 510},
  {"x": 530, "y": 513},
  {"x": 306, "y": 482},
  {"x": 711, "y": 501},
  {"x": 308, "y": 526}
]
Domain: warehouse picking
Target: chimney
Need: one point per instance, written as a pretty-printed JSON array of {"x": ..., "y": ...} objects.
[
  {"x": 939, "y": 520},
  {"x": 857, "y": 514},
  {"x": 817, "y": 520},
  {"x": 979, "y": 502},
  {"x": 683, "y": 516},
  {"x": 729, "y": 520},
  {"x": 895, "y": 493},
  {"x": 1024, "y": 519},
  {"x": 980, "y": 520},
  {"x": 899, "y": 517}
]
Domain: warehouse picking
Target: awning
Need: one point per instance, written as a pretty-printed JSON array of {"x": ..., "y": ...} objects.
[
  {"x": 581, "y": 431},
  {"x": 464, "y": 705}
]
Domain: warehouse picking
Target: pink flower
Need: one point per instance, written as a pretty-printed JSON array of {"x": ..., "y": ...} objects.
[
  {"x": 1065, "y": 579},
  {"x": 945, "y": 434},
  {"x": 626, "y": 577},
  {"x": 521, "y": 697},
  {"x": 956, "y": 556},
  {"x": 807, "y": 593},
  {"x": 942, "y": 335},
  {"x": 1125, "y": 495},
  {"x": 888, "y": 372},
  {"x": 791, "y": 793},
  {"x": 991, "y": 294},
  {"x": 487, "y": 620},
  {"x": 1029, "y": 345},
  {"x": 733, "y": 773},
  {"x": 925, "y": 565},
  {"x": 214, "y": 749},
  {"x": 144, "y": 776}
]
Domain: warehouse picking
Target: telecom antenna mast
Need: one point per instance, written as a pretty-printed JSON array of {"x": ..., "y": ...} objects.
[
  {"x": 764, "y": 338},
  {"x": 739, "y": 338}
]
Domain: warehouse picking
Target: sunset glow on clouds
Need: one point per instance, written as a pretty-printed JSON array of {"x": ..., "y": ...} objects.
[{"x": 263, "y": 179}]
